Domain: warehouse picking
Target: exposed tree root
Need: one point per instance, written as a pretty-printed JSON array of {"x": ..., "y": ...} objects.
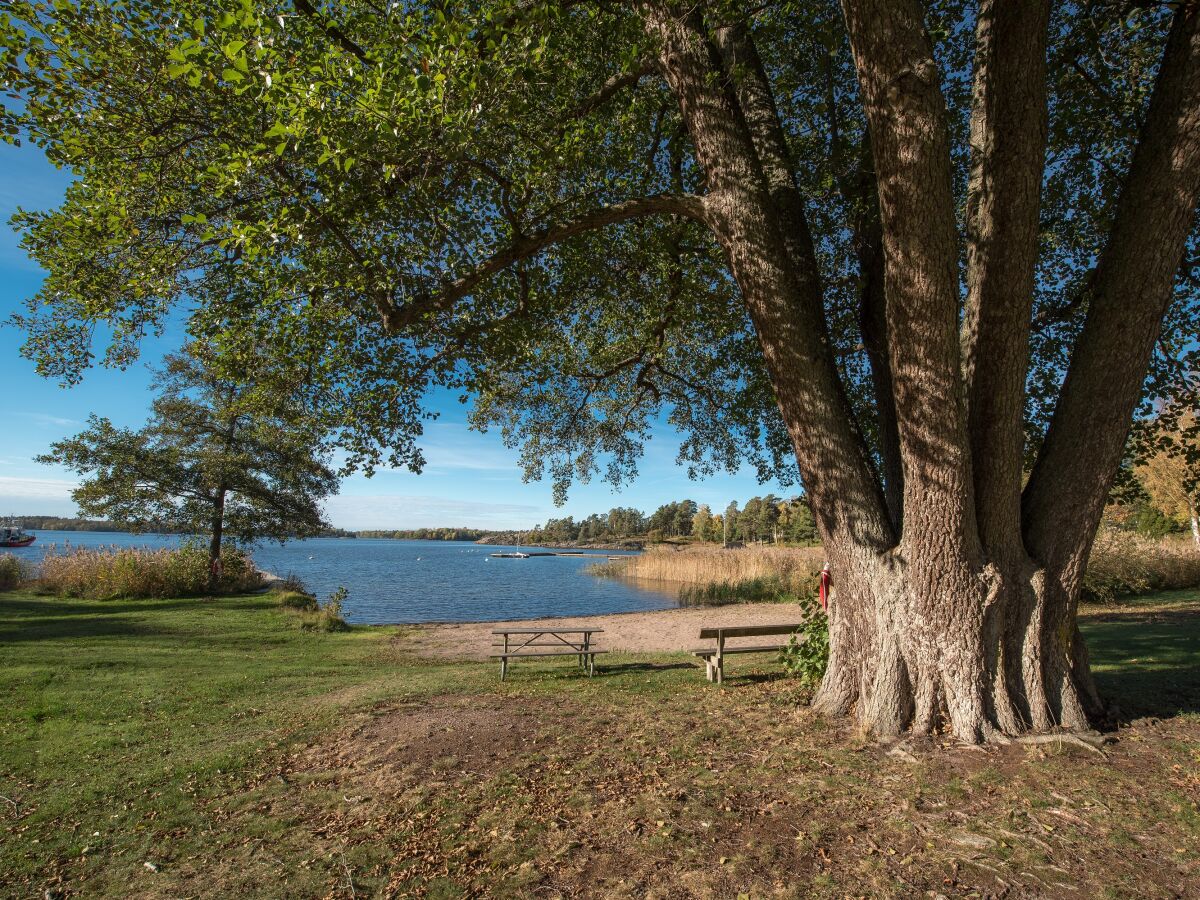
[{"x": 1085, "y": 739}]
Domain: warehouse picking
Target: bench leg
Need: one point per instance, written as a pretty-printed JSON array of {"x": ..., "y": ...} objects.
[
  {"x": 503, "y": 667},
  {"x": 591, "y": 666},
  {"x": 720, "y": 667}
]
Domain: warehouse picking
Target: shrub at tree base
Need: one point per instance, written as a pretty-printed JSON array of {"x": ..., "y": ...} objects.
[
  {"x": 13, "y": 572},
  {"x": 1123, "y": 563},
  {"x": 113, "y": 573},
  {"x": 807, "y": 652}
]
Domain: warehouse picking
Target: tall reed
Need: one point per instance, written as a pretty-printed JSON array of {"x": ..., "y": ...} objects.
[
  {"x": 110, "y": 573},
  {"x": 713, "y": 576}
]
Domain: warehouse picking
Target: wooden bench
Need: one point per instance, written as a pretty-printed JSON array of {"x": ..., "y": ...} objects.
[
  {"x": 714, "y": 657},
  {"x": 518, "y": 641}
]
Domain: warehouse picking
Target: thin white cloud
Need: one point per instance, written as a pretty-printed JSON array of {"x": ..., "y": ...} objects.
[
  {"x": 449, "y": 446},
  {"x": 47, "y": 419},
  {"x": 405, "y": 511},
  {"x": 47, "y": 488}
]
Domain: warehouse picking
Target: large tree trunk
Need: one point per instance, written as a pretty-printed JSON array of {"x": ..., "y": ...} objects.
[{"x": 984, "y": 656}]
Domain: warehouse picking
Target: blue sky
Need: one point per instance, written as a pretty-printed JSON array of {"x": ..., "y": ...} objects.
[{"x": 471, "y": 479}]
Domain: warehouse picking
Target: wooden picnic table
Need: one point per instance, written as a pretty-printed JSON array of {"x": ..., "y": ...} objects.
[{"x": 562, "y": 641}]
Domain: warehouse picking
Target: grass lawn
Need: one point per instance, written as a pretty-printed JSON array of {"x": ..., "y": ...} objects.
[{"x": 212, "y": 748}]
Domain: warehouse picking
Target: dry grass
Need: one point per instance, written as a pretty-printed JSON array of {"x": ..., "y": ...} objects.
[
  {"x": 118, "y": 572},
  {"x": 1125, "y": 563},
  {"x": 713, "y": 575},
  {"x": 706, "y": 565}
]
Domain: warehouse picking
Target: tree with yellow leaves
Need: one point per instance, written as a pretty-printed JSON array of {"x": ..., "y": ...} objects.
[{"x": 1171, "y": 474}]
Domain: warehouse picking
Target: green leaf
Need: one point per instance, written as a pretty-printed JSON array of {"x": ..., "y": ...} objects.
[{"x": 232, "y": 75}]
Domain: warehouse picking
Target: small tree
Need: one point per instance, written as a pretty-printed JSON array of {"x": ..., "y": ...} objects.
[
  {"x": 702, "y": 523},
  {"x": 213, "y": 459},
  {"x": 1171, "y": 475}
]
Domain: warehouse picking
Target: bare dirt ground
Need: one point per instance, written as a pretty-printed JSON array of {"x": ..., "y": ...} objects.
[
  {"x": 661, "y": 631},
  {"x": 709, "y": 793}
]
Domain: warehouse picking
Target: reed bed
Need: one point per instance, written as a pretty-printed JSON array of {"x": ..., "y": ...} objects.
[
  {"x": 712, "y": 576},
  {"x": 112, "y": 573}
]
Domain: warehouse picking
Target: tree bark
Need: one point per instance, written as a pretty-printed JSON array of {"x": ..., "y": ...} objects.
[{"x": 214, "y": 543}]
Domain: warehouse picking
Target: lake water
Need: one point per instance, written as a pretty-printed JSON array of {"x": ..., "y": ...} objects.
[{"x": 422, "y": 581}]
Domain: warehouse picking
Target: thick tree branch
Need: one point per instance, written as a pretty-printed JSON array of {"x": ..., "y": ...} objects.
[
  {"x": 1132, "y": 288},
  {"x": 524, "y": 247},
  {"x": 910, "y": 144},
  {"x": 744, "y": 67},
  {"x": 872, "y": 322},
  {"x": 614, "y": 86},
  {"x": 343, "y": 40},
  {"x": 1009, "y": 125},
  {"x": 781, "y": 295}
]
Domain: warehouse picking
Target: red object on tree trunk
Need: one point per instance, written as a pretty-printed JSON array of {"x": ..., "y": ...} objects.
[{"x": 824, "y": 589}]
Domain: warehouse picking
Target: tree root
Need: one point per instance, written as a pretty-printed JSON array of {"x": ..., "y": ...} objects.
[
  {"x": 1086, "y": 740},
  {"x": 900, "y": 751}
]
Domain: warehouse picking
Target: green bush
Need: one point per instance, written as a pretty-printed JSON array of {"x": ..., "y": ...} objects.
[
  {"x": 328, "y": 616},
  {"x": 807, "y": 652},
  {"x": 123, "y": 572},
  {"x": 13, "y": 572}
]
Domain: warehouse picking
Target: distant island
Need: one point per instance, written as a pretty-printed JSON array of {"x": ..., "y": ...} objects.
[{"x": 102, "y": 526}]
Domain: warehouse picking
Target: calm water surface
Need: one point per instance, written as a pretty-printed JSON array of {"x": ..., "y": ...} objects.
[{"x": 422, "y": 581}]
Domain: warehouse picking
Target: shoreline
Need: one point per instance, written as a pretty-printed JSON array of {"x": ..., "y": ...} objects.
[
  {"x": 547, "y": 617},
  {"x": 671, "y": 630}
]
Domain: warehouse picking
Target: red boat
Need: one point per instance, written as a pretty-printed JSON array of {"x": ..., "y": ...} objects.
[{"x": 15, "y": 537}]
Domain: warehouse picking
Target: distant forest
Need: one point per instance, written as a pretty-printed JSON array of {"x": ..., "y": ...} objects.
[
  {"x": 429, "y": 534},
  {"x": 767, "y": 519}
]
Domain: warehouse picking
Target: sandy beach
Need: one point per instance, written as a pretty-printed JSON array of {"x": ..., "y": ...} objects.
[{"x": 661, "y": 631}]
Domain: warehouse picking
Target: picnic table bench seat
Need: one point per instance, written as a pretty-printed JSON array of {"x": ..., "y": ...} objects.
[{"x": 714, "y": 655}]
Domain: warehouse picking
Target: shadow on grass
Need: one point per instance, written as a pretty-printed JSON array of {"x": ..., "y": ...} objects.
[
  {"x": 1148, "y": 664},
  {"x": 622, "y": 668},
  {"x": 49, "y": 618}
]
